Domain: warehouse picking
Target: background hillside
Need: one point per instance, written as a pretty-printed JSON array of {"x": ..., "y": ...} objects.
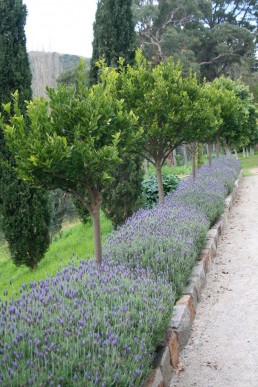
[{"x": 46, "y": 67}]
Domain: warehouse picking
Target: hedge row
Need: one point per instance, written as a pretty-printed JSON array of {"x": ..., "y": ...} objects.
[{"x": 100, "y": 327}]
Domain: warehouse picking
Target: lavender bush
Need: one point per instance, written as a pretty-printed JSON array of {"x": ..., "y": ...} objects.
[
  {"x": 84, "y": 327},
  {"x": 208, "y": 190},
  {"x": 100, "y": 327},
  {"x": 166, "y": 240},
  {"x": 169, "y": 238}
]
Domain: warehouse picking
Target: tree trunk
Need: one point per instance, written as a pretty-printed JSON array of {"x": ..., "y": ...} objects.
[
  {"x": 244, "y": 155},
  {"x": 199, "y": 155},
  {"x": 185, "y": 155},
  {"x": 171, "y": 159},
  {"x": 97, "y": 232},
  {"x": 146, "y": 170},
  {"x": 217, "y": 146},
  {"x": 210, "y": 154},
  {"x": 174, "y": 157},
  {"x": 193, "y": 149},
  {"x": 160, "y": 183},
  {"x": 227, "y": 149}
]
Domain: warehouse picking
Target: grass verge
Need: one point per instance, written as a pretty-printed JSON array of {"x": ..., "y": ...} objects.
[
  {"x": 74, "y": 241},
  {"x": 249, "y": 163}
]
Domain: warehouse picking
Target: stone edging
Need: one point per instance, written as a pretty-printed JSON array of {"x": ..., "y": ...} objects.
[{"x": 179, "y": 330}]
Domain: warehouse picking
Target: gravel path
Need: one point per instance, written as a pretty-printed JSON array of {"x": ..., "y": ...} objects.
[{"x": 223, "y": 348}]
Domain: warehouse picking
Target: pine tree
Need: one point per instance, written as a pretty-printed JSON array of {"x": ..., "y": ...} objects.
[
  {"x": 114, "y": 34},
  {"x": 24, "y": 209}
]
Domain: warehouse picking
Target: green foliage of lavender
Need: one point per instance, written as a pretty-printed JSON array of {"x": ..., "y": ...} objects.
[
  {"x": 100, "y": 327},
  {"x": 84, "y": 327}
]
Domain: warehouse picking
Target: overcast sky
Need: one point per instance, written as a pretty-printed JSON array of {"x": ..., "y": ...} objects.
[{"x": 63, "y": 26}]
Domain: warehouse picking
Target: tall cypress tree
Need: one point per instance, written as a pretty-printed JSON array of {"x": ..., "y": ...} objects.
[
  {"x": 114, "y": 37},
  {"x": 24, "y": 209},
  {"x": 114, "y": 34}
]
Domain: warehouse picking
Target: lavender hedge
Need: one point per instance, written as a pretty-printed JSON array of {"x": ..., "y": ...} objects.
[
  {"x": 169, "y": 238},
  {"x": 84, "y": 327},
  {"x": 210, "y": 187},
  {"x": 101, "y": 327},
  {"x": 165, "y": 240}
]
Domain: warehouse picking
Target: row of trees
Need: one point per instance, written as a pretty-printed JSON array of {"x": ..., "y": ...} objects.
[
  {"x": 210, "y": 37},
  {"x": 75, "y": 139},
  {"x": 213, "y": 38}
]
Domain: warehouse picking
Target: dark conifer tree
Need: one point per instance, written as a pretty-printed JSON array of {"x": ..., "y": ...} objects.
[
  {"x": 122, "y": 195},
  {"x": 114, "y": 34},
  {"x": 114, "y": 37},
  {"x": 24, "y": 210}
]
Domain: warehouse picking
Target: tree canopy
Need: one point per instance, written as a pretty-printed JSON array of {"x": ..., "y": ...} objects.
[
  {"x": 171, "y": 108},
  {"x": 212, "y": 37},
  {"x": 73, "y": 141}
]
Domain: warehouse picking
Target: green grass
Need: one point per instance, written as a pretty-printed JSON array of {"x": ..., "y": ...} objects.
[
  {"x": 248, "y": 163},
  {"x": 76, "y": 241},
  {"x": 182, "y": 171}
]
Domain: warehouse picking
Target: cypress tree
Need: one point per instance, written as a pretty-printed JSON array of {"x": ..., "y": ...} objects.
[
  {"x": 114, "y": 37},
  {"x": 24, "y": 210},
  {"x": 122, "y": 196},
  {"x": 114, "y": 34}
]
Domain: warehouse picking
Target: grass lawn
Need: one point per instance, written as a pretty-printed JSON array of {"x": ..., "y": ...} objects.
[
  {"x": 181, "y": 171},
  {"x": 248, "y": 163},
  {"x": 75, "y": 241}
]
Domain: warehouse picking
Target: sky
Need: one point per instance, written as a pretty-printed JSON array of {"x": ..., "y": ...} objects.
[{"x": 63, "y": 26}]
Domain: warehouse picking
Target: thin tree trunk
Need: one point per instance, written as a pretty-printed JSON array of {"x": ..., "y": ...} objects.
[
  {"x": 174, "y": 157},
  {"x": 145, "y": 164},
  {"x": 160, "y": 183},
  {"x": 210, "y": 153},
  {"x": 244, "y": 155},
  {"x": 171, "y": 159},
  {"x": 199, "y": 155},
  {"x": 217, "y": 146},
  {"x": 97, "y": 233},
  {"x": 227, "y": 149},
  {"x": 185, "y": 155},
  {"x": 193, "y": 149}
]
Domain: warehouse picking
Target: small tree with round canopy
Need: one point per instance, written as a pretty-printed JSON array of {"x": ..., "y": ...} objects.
[
  {"x": 170, "y": 107},
  {"x": 73, "y": 141}
]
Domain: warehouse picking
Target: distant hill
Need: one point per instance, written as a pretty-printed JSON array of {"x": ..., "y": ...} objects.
[{"x": 46, "y": 68}]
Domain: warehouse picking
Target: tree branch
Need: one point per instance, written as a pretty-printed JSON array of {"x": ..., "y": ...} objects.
[{"x": 217, "y": 58}]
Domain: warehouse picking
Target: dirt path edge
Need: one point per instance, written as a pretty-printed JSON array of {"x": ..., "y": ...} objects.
[{"x": 179, "y": 330}]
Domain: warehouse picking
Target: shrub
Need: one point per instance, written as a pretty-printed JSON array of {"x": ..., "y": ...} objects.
[
  {"x": 208, "y": 190},
  {"x": 166, "y": 239},
  {"x": 169, "y": 238},
  {"x": 150, "y": 188},
  {"x": 84, "y": 327}
]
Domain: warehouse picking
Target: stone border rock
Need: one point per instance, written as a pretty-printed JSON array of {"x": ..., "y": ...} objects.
[{"x": 179, "y": 330}]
